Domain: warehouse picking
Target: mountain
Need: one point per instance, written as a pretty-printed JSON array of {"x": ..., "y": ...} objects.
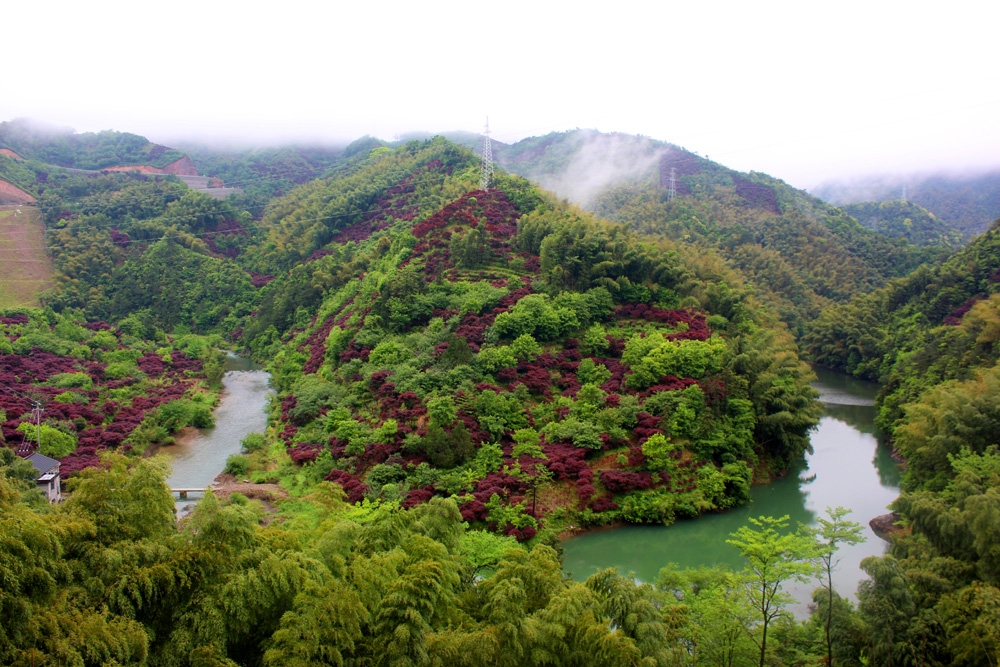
[
  {"x": 798, "y": 252},
  {"x": 267, "y": 172},
  {"x": 430, "y": 338},
  {"x": 63, "y": 147},
  {"x": 934, "y": 325},
  {"x": 461, "y": 375},
  {"x": 905, "y": 219},
  {"x": 968, "y": 203}
]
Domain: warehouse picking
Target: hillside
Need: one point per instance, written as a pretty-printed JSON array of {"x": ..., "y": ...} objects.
[
  {"x": 967, "y": 203},
  {"x": 127, "y": 243},
  {"x": 65, "y": 148},
  {"x": 24, "y": 263},
  {"x": 463, "y": 376},
  {"x": 263, "y": 173},
  {"x": 799, "y": 253},
  {"x": 935, "y": 324},
  {"x": 905, "y": 219},
  {"x": 59, "y": 153},
  {"x": 430, "y": 339},
  {"x": 100, "y": 387}
]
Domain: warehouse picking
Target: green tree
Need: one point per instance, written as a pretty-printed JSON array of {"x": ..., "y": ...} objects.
[
  {"x": 441, "y": 410},
  {"x": 773, "y": 556},
  {"x": 127, "y": 500},
  {"x": 709, "y": 614},
  {"x": 833, "y": 532},
  {"x": 657, "y": 449},
  {"x": 886, "y": 604}
]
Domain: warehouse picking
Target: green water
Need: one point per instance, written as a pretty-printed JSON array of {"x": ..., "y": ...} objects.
[
  {"x": 242, "y": 409},
  {"x": 847, "y": 467}
]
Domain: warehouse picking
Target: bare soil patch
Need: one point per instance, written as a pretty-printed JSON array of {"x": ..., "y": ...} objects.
[
  {"x": 11, "y": 194},
  {"x": 268, "y": 494},
  {"x": 25, "y": 267}
]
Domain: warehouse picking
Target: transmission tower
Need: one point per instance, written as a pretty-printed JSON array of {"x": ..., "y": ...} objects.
[
  {"x": 672, "y": 192},
  {"x": 904, "y": 193},
  {"x": 486, "y": 173},
  {"x": 36, "y": 413}
]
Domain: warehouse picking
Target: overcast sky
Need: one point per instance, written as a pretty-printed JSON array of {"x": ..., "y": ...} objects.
[{"x": 805, "y": 91}]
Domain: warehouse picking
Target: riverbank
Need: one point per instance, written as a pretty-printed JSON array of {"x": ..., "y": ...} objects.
[
  {"x": 198, "y": 456},
  {"x": 847, "y": 467}
]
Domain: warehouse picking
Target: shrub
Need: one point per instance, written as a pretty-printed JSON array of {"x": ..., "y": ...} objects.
[
  {"x": 237, "y": 465},
  {"x": 254, "y": 442},
  {"x": 71, "y": 380},
  {"x": 120, "y": 370},
  {"x": 492, "y": 359},
  {"x": 623, "y": 481},
  {"x": 182, "y": 412},
  {"x": 385, "y": 473},
  {"x": 648, "y": 507},
  {"x": 55, "y": 443}
]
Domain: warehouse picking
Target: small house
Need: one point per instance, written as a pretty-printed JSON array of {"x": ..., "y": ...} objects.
[{"x": 48, "y": 476}]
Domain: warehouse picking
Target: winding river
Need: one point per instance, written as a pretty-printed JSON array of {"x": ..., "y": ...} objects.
[
  {"x": 847, "y": 467},
  {"x": 198, "y": 458}
]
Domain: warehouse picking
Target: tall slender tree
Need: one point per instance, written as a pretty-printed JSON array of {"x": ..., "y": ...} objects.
[
  {"x": 773, "y": 556},
  {"x": 833, "y": 532}
]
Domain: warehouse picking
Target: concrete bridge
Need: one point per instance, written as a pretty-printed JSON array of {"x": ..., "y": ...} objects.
[{"x": 183, "y": 493}]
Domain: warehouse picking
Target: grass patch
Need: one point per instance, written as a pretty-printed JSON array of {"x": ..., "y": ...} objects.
[{"x": 25, "y": 267}]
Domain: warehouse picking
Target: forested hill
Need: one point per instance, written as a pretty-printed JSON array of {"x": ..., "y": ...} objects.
[
  {"x": 908, "y": 220},
  {"x": 967, "y": 203},
  {"x": 414, "y": 324},
  {"x": 432, "y": 339},
  {"x": 64, "y": 148},
  {"x": 933, "y": 340},
  {"x": 937, "y": 324},
  {"x": 267, "y": 172},
  {"x": 463, "y": 374},
  {"x": 798, "y": 252}
]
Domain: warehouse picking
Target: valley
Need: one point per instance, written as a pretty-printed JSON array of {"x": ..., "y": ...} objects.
[{"x": 460, "y": 378}]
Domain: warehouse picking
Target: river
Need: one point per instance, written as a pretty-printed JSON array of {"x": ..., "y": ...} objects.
[
  {"x": 847, "y": 467},
  {"x": 198, "y": 458}
]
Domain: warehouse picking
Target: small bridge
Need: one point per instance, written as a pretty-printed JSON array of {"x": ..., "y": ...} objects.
[{"x": 183, "y": 493}]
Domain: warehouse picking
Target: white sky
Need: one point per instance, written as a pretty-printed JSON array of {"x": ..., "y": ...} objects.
[{"x": 805, "y": 91}]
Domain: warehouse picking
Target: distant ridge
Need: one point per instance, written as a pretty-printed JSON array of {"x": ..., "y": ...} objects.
[{"x": 968, "y": 203}]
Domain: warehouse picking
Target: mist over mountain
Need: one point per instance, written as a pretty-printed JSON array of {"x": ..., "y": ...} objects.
[
  {"x": 463, "y": 377},
  {"x": 967, "y": 202},
  {"x": 799, "y": 252}
]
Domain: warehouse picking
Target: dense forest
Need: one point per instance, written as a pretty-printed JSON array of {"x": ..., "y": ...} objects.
[
  {"x": 798, "y": 253},
  {"x": 911, "y": 221},
  {"x": 965, "y": 202},
  {"x": 64, "y": 148},
  {"x": 462, "y": 375}
]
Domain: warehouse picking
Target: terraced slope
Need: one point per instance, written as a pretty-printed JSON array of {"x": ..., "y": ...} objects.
[{"x": 25, "y": 268}]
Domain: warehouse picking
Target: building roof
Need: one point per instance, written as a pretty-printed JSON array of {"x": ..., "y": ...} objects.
[{"x": 43, "y": 464}]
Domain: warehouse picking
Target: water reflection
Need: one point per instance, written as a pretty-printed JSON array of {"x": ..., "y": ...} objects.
[
  {"x": 847, "y": 467},
  {"x": 860, "y": 417},
  {"x": 837, "y": 388}
]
